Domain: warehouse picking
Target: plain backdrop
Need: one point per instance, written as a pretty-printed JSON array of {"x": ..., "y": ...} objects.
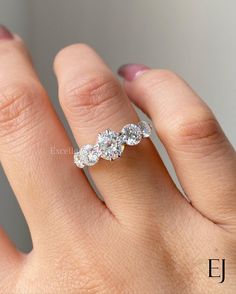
[{"x": 196, "y": 39}]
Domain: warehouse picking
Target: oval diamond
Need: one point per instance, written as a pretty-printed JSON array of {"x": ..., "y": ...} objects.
[
  {"x": 145, "y": 128},
  {"x": 110, "y": 145},
  {"x": 89, "y": 155},
  {"x": 131, "y": 134}
]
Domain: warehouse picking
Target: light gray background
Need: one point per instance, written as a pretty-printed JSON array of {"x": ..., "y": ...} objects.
[{"x": 197, "y": 39}]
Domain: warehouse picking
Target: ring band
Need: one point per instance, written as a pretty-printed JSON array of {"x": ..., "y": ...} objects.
[{"x": 110, "y": 145}]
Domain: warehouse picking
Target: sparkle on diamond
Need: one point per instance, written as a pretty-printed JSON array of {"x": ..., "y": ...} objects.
[
  {"x": 110, "y": 145},
  {"x": 131, "y": 134},
  {"x": 146, "y": 128},
  {"x": 77, "y": 160},
  {"x": 89, "y": 155}
]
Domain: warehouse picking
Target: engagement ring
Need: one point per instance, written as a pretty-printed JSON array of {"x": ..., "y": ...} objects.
[{"x": 110, "y": 145}]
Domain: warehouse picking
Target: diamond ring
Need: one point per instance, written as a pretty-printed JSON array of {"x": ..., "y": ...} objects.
[{"x": 110, "y": 145}]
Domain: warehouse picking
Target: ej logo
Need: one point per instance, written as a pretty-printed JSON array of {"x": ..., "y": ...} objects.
[{"x": 217, "y": 269}]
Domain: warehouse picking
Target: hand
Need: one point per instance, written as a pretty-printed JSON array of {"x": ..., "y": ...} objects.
[{"x": 145, "y": 237}]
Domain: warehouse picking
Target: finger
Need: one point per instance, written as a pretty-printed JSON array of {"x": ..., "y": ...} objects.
[
  {"x": 35, "y": 151},
  {"x": 203, "y": 157},
  {"x": 93, "y": 101},
  {"x": 10, "y": 260}
]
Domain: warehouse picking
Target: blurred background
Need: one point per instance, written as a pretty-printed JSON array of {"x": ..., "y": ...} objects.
[{"x": 196, "y": 39}]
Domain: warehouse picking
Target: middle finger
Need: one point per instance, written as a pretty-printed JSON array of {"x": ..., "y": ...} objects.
[{"x": 30, "y": 136}]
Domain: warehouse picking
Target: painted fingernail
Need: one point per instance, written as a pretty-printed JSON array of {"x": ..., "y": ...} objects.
[
  {"x": 5, "y": 33},
  {"x": 131, "y": 71}
]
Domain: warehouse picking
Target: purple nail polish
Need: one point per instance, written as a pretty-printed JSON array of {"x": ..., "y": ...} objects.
[
  {"x": 5, "y": 33},
  {"x": 130, "y": 71}
]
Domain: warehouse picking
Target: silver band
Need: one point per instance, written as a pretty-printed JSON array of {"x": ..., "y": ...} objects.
[{"x": 110, "y": 145}]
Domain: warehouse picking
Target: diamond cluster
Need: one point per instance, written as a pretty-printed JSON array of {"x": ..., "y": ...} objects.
[{"x": 110, "y": 144}]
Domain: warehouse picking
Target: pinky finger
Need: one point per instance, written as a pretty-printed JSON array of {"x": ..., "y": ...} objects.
[{"x": 203, "y": 158}]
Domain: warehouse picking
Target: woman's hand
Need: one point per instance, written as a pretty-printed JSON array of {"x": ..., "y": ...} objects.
[{"x": 147, "y": 238}]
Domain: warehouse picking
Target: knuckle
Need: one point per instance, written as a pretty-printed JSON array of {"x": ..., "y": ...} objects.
[
  {"x": 90, "y": 279},
  {"x": 90, "y": 92},
  {"x": 202, "y": 131},
  {"x": 16, "y": 106}
]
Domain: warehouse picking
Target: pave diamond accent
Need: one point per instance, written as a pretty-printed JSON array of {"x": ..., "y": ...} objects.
[
  {"x": 89, "y": 155},
  {"x": 110, "y": 145},
  {"x": 145, "y": 128},
  {"x": 131, "y": 134}
]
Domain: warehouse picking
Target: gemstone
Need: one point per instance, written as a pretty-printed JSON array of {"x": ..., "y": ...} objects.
[
  {"x": 131, "y": 134},
  {"x": 145, "y": 128},
  {"x": 89, "y": 155},
  {"x": 110, "y": 145},
  {"x": 77, "y": 160}
]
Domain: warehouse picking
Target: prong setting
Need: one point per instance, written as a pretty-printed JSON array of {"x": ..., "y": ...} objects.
[{"x": 110, "y": 144}]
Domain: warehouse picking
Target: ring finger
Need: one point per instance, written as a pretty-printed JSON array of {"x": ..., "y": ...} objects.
[{"x": 93, "y": 101}]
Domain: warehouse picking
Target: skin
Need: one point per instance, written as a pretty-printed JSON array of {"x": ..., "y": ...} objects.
[{"x": 145, "y": 237}]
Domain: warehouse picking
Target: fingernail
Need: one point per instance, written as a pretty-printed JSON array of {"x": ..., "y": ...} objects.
[
  {"x": 5, "y": 33},
  {"x": 131, "y": 71}
]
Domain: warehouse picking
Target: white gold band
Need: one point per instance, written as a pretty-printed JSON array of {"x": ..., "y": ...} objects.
[{"x": 110, "y": 144}]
